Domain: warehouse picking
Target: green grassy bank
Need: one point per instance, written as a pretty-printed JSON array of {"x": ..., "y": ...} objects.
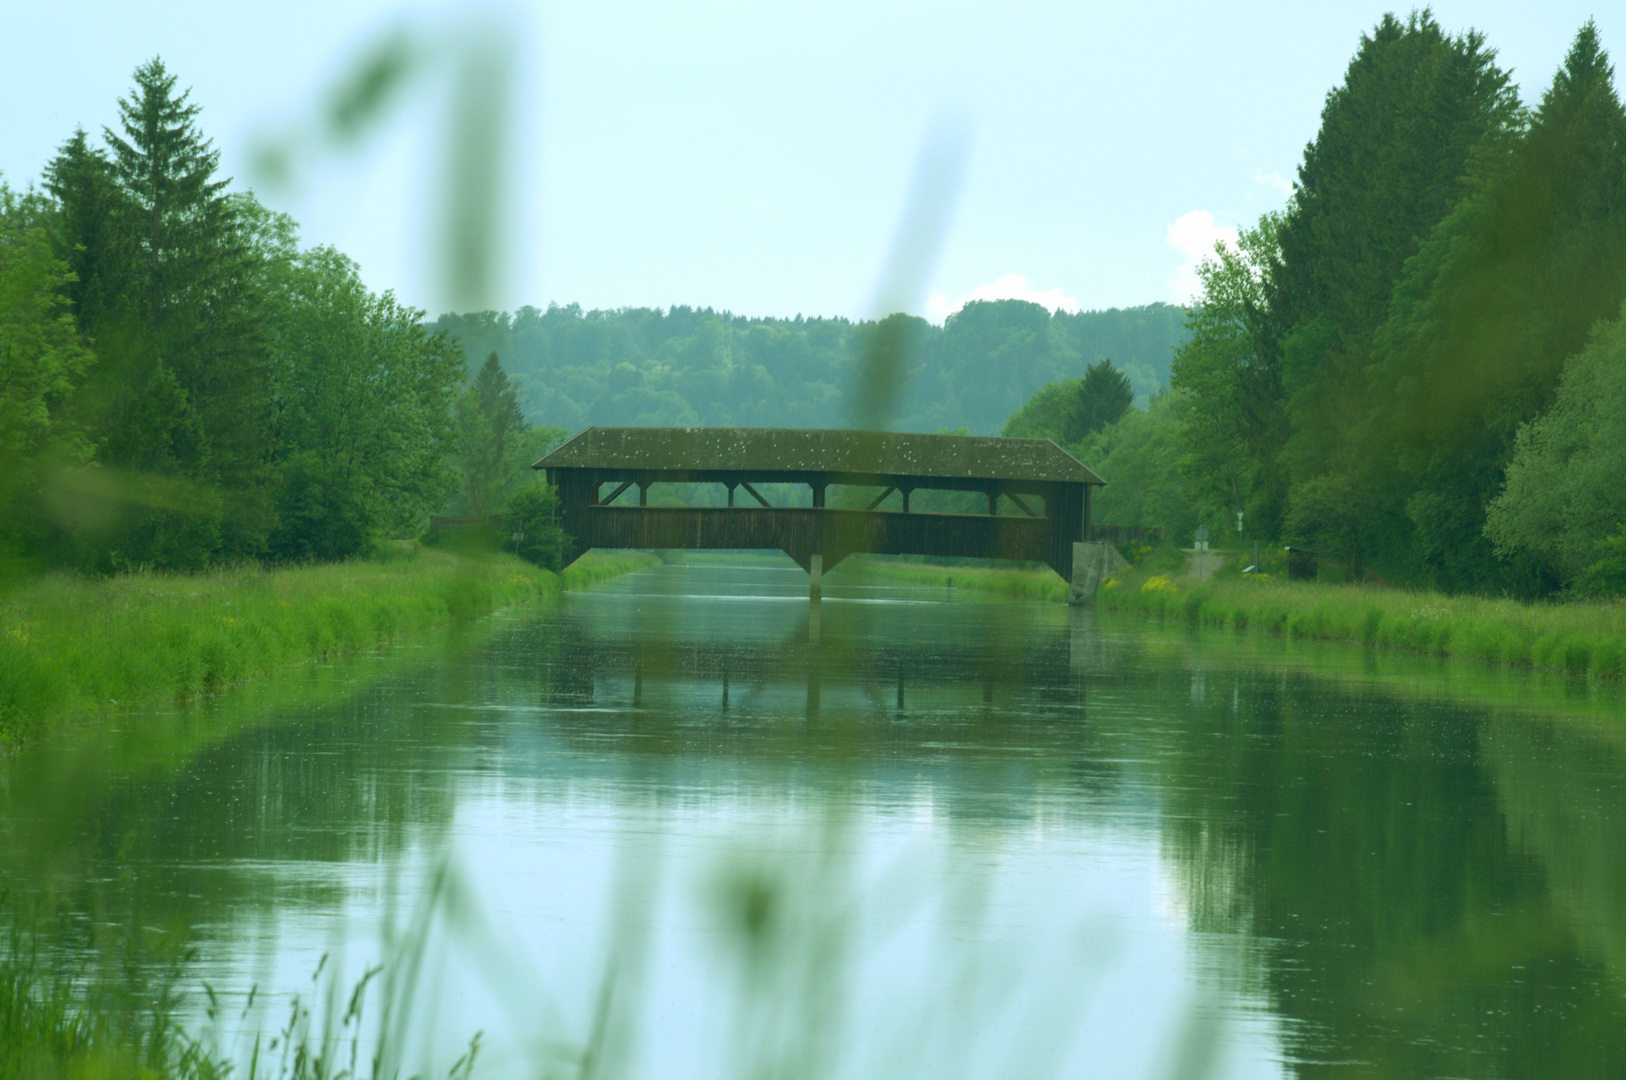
[
  {"x": 1008, "y": 581},
  {"x": 74, "y": 648},
  {"x": 1575, "y": 638},
  {"x": 1570, "y": 638}
]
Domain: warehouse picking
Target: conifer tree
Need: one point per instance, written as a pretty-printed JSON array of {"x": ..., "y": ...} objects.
[
  {"x": 178, "y": 404},
  {"x": 91, "y": 213},
  {"x": 491, "y": 421},
  {"x": 1104, "y": 396}
]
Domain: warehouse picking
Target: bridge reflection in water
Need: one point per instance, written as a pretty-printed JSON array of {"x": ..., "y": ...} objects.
[{"x": 849, "y": 654}]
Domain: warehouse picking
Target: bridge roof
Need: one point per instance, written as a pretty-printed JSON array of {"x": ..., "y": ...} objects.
[{"x": 792, "y": 450}]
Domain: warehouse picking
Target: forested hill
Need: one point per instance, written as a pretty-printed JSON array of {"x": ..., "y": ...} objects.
[{"x": 688, "y": 366}]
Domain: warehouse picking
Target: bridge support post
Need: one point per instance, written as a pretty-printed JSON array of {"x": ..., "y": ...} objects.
[{"x": 815, "y": 573}]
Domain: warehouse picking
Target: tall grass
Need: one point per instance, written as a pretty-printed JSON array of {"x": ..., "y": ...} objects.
[
  {"x": 75, "y": 648},
  {"x": 1575, "y": 638},
  {"x": 53, "y": 1025},
  {"x": 1569, "y": 638},
  {"x": 118, "y": 1022}
]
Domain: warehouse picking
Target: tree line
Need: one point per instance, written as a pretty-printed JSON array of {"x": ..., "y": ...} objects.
[
  {"x": 689, "y": 367},
  {"x": 182, "y": 384},
  {"x": 1390, "y": 370},
  {"x": 1418, "y": 367}
]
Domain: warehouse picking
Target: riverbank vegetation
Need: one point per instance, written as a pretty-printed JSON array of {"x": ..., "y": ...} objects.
[
  {"x": 1575, "y": 638},
  {"x": 75, "y": 647},
  {"x": 1581, "y": 637}
]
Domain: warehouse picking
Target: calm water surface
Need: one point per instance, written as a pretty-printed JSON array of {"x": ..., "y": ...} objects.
[{"x": 688, "y": 826}]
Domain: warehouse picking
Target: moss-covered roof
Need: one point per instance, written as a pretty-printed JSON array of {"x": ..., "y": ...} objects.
[{"x": 791, "y": 450}]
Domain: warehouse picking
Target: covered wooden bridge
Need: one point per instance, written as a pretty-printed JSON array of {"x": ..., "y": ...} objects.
[{"x": 1037, "y": 496}]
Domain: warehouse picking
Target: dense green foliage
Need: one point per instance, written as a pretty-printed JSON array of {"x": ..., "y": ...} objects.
[
  {"x": 1140, "y": 458},
  {"x": 1564, "y": 494},
  {"x": 533, "y": 514},
  {"x": 362, "y": 403},
  {"x": 184, "y": 386},
  {"x": 687, "y": 366},
  {"x": 1068, "y": 410},
  {"x": 1360, "y": 366},
  {"x": 42, "y": 359}
]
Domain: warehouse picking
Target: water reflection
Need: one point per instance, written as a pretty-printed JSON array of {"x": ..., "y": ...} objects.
[{"x": 910, "y": 835}]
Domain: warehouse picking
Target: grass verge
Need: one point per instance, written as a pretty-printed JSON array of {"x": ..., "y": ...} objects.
[
  {"x": 74, "y": 648},
  {"x": 1570, "y": 638},
  {"x": 1031, "y": 584}
]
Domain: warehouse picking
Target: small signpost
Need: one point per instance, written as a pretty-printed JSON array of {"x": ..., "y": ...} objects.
[{"x": 1202, "y": 539}]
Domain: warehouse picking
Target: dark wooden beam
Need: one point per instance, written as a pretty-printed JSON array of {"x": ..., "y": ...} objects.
[
  {"x": 616, "y": 494},
  {"x": 1017, "y": 499},
  {"x": 881, "y": 498},
  {"x": 751, "y": 491}
]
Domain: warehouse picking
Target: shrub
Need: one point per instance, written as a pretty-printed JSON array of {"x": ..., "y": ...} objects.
[{"x": 533, "y": 514}]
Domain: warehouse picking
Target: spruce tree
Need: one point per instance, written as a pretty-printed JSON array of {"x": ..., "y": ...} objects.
[
  {"x": 1104, "y": 396},
  {"x": 91, "y": 215},
  {"x": 185, "y": 401},
  {"x": 491, "y": 421}
]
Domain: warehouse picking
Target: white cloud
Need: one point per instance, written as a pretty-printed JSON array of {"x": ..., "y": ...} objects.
[
  {"x": 1194, "y": 236},
  {"x": 1005, "y": 287},
  {"x": 1275, "y": 181}
]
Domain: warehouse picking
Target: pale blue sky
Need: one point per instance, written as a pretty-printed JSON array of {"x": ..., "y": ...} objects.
[{"x": 756, "y": 157}]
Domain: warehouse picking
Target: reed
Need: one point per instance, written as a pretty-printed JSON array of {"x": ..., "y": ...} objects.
[{"x": 73, "y": 648}]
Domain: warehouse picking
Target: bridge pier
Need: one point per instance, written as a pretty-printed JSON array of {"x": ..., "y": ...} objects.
[{"x": 815, "y": 574}]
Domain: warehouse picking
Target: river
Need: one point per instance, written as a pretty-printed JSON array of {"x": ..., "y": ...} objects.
[{"x": 686, "y": 824}]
